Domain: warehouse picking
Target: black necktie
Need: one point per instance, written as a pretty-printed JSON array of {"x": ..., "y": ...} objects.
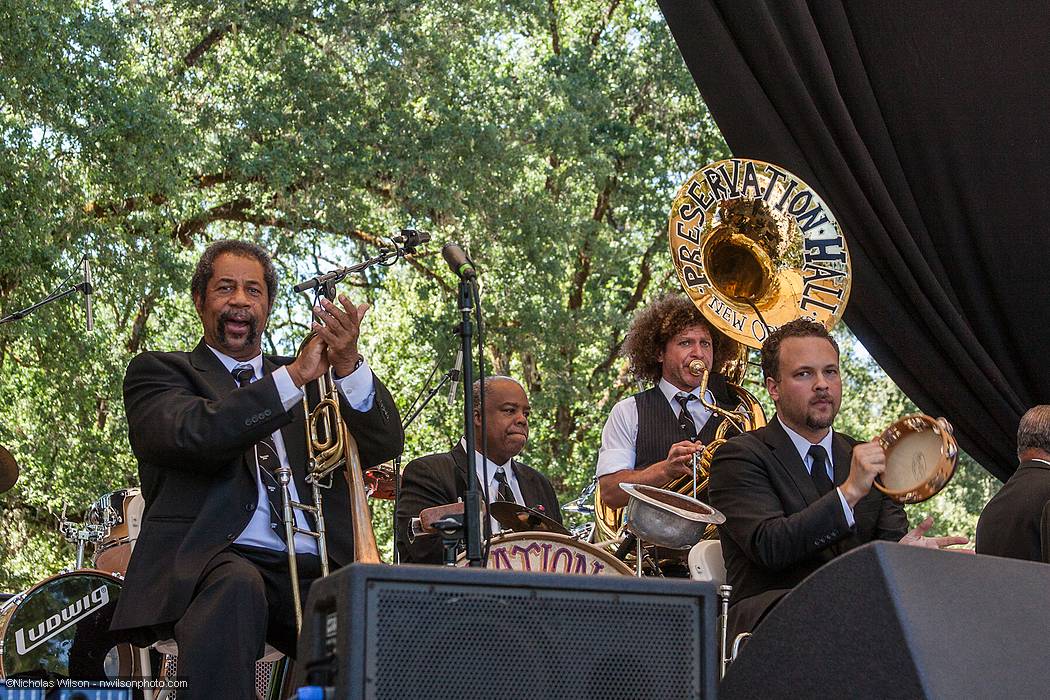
[
  {"x": 685, "y": 418},
  {"x": 503, "y": 493},
  {"x": 264, "y": 455},
  {"x": 819, "y": 471}
]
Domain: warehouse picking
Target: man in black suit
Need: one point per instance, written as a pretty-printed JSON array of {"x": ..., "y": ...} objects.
[
  {"x": 1016, "y": 522},
  {"x": 649, "y": 438},
  {"x": 439, "y": 479},
  {"x": 210, "y": 568},
  {"x": 797, "y": 494}
]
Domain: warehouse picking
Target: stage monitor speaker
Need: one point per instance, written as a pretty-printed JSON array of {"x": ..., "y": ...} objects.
[
  {"x": 888, "y": 620},
  {"x": 421, "y": 632}
]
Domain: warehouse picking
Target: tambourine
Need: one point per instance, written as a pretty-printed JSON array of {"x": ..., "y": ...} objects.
[{"x": 921, "y": 457}]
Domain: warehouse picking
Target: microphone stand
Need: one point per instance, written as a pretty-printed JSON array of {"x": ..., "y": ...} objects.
[
  {"x": 472, "y": 498},
  {"x": 83, "y": 287},
  {"x": 404, "y": 244},
  {"x": 450, "y": 375}
]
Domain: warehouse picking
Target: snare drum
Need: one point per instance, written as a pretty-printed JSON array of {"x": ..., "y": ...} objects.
[
  {"x": 921, "y": 457},
  {"x": 119, "y": 513},
  {"x": 549, "y": 552},
  {"x": 59, "y": 628}
]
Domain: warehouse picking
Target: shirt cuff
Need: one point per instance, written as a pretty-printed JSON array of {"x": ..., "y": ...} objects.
[
  {"x": 290, "y": 394},
  {"x": 359, "y": 388},
  {"x": 846, "y": 510},
  {"x": 612, "y": 461}
]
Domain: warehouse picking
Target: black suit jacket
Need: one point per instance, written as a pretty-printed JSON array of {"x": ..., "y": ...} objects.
[
  {"x": 190, "y": 428},
  {"x": 1015, "y": 523},
  {"x": 778, "y": 530},
  {"x": 437, "y": 479}
]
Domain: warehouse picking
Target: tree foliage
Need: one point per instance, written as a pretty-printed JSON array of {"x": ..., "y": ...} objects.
[{"x": 546, "y": 137}]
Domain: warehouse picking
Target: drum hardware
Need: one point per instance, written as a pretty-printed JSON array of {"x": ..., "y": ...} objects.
[
  {"x": 921, "y": 458},
  {"x": 80, "y": 534},
  {"x": 519, "y": 518},
  {"x": 446, "y": 521},
  {"x": 666, "y": 518},
  {"x": 8, "y": 470},
  {"x": 580, "y": 504},
  {"x": 584, "y": 531}
]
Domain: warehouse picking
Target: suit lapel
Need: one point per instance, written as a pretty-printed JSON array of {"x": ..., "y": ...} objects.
[
  {"x": 212, "y": 371},
  {"x": 459, "y": 456},
  {"x": 786, "y": 454},
  {"x": 526, "y": 483},
  {"x": 841, "y": 455}
]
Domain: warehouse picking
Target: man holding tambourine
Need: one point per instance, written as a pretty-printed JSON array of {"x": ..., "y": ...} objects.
[{"x": 797, "y": 494}]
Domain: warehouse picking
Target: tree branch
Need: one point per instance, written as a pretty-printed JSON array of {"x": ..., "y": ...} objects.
[
  {"x": 213, "y": 37},
  {"x": 603, "y": 22},
  {"x": 138, "y": 327},
  {"x": 555, "y": 37}
]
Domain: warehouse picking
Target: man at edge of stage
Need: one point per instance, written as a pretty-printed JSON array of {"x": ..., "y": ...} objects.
[
  {"x": 1016, "y": 521},
  {"x": 646, "y": 439},
  {"x": 439, "y": 479},
  {"x": 795, "y": 493},
  {"x": 210, "y": 568}
]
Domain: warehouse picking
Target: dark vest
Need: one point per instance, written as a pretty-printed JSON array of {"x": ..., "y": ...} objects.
[{"x": 658, "y": 428}]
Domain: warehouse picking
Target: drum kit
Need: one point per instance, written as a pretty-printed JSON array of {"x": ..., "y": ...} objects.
[{"x": 59, "y": 628}]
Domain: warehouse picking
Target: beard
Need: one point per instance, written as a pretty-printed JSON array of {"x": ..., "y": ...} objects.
[
  {"x": 250, "y": 337},
  {"x": 818, "y": 422}
]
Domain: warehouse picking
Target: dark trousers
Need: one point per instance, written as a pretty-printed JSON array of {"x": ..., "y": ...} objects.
[{"x": 243, "y": 601}]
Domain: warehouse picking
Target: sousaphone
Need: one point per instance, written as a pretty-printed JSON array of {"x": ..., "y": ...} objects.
[{"x": 754, "y": 247}]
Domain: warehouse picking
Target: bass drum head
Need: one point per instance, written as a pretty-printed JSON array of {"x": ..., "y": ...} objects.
[
  {"x": 60, "y": 629},
  {"x": 551, "y": 553}
]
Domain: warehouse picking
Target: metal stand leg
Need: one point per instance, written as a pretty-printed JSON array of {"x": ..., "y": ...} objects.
[
  {"x": 145, "y": 671},
  {"x": 724, "y": 591},
  {"x": 638, "y": 556}
]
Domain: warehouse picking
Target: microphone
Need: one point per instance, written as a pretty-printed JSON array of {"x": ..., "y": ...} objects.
[
  {"x": 454, "y": 374},
  {"x": 89, "y": 291},
  {"x": 458, "y": 261}
]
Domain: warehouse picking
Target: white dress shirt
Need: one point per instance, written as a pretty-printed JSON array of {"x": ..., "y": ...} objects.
[
  {"x": 512, "y": 481},
  {"x": 802, "y": 445},
  {"x": 358, "y": 388},
  {"x": 620, "y": 434}
]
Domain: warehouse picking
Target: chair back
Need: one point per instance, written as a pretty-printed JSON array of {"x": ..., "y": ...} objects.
[{"x": 706, "y": 563}]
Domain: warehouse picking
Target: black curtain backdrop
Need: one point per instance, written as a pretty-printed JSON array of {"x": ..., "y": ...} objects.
[{"x": 923, "y": 125}]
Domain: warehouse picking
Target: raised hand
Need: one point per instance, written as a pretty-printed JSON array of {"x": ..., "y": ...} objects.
[{"x": 917, "y": 538}]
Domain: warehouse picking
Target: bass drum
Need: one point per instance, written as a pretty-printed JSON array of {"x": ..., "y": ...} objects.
[
  {"x": 550, "y": 553},
  {"x": 59, "y": 629}
]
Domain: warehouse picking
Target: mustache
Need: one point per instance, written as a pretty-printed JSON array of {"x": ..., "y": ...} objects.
[{"x": 241, "y": 317}]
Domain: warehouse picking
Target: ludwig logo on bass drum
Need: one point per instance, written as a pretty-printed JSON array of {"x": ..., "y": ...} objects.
[{"x": 47, "y": 629}]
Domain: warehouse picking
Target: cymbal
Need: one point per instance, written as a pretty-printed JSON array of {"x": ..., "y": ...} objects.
[
  {"x": 514, "y": 516},
  {"x": 8, "y": 470}
]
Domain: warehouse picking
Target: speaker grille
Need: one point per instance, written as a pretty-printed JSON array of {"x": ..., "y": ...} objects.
[{"x": 440, "y": 641}]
